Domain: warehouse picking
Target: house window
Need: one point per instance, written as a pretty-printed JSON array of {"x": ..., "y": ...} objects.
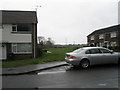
[
  {"x": 101, "y": 36},
  {"x": 101, "y": 44},
  {"x": 21, "y": 27},
  {"x": 113, "y": 34},
  {"x": 24, "y": 27},
  {"x": 21, "y": 48},
  {"x": 14, "y": 28},
  {"x": 92, "y": 38},
  {"x": 113, "y": 43},
  {"x": 14, "y": 47}
]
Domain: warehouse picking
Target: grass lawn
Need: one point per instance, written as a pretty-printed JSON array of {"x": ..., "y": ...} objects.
[{"x": 58, "y": 54}]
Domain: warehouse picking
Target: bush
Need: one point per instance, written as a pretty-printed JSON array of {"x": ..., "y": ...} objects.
[
  {"x": 40, "y": 51},
  {"x": 74, "y": 48},
  {"x": 57, "y": 54}
]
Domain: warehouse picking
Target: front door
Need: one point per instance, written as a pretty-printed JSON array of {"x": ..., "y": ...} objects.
[{"x": 3, "y": 52}]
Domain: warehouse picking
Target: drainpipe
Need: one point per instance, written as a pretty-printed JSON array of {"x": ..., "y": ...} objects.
[{"x": 34, "y": 41}]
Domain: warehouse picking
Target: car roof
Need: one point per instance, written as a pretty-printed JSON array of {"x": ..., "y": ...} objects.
[{"x": 91, "y": 47}]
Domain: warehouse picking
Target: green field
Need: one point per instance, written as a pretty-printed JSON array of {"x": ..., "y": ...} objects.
[{"x": 57, "y": 54}]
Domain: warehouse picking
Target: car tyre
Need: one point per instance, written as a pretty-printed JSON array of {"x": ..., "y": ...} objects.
[{"x": 84, "y": 64}]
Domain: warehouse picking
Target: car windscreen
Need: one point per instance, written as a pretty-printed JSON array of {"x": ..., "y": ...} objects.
[{"x": 78, "y": 50}]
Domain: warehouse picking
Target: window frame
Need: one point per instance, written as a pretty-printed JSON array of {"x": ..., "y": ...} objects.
[
  {"x": 14, "y": 25},
  {"x": 113, "y": 34},
  {"x": 101, "y": 36},
  {"x": 18, "y": 26},
  {"x": 92, "y": 38},
  {"x": 16, "y": 47},
  {"x": 113, "y": 44}
]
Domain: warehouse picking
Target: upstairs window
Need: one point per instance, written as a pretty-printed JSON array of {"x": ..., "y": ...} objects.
[
  {"x": 101, "y": 36},
  {"x": 24, "y": 27},
  {"x": 14, "y": 28},
  {"x": 21, "y": 27},
  {"x": 113, "y": 34},
  {"x": 92, "y": 38}
]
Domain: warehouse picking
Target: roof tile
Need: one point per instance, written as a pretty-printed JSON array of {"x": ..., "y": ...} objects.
[{"x": 19, "y": 17}]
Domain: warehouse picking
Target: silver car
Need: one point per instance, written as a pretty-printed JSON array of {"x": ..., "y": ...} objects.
[{"x": 87, "y": 56}]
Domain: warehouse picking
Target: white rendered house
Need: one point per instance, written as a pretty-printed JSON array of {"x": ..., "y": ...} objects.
[{"x": 19, "y": 35}]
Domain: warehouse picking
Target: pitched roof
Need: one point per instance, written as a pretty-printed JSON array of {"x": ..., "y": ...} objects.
[
  {"x": 18, "y": 17},
  {"x": 106, "y": 30}
]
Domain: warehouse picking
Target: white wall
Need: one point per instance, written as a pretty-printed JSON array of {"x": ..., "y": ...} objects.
[{"x": 7, "y": 36}]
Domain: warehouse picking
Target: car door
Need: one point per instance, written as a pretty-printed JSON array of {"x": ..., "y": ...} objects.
[
  {"x": 108, "y": 57},
  {"x": 96, "y": 56}
]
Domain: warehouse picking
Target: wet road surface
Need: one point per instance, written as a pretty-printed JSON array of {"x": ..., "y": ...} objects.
[{"x": 103, "y": 76}]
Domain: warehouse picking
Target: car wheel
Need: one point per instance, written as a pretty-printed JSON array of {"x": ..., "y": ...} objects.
[{"x": 85, "y": 64}]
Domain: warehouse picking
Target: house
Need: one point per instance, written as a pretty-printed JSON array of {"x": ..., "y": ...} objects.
[
  {"x": 107, "y": 37},
  {"x": 19, "y": 35}
]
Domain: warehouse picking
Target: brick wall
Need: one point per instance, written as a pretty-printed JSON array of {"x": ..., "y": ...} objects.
[{"x": 106, "y": 38}]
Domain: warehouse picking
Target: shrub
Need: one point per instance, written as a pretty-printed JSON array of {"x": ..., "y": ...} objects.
[
  {"x": 74, "y": 48},
  {"x": 40, "y": 51}
]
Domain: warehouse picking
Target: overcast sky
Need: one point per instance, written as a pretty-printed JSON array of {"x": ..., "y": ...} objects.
[{"x": 68, "y": 21}]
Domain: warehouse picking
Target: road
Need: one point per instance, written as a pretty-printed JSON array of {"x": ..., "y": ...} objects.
[{"x": 103, "y": 76}]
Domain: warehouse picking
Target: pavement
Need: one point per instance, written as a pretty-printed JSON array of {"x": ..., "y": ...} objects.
[{"x": 31, "y": 68}]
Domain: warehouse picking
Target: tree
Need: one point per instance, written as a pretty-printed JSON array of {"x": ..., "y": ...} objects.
[
  {"x": 41, "y": 40},
  {"x": 49, "y": 42}
]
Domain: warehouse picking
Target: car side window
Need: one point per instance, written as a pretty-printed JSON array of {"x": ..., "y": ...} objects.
[
  {"x": 94, "y": 51},
  {"x": 87, "y": 52},
  {"x": 105, "y": 51}
]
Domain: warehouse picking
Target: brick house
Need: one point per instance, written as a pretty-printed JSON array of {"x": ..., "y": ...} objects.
[
  {"x": 107, "y": 37},
  {"x": 19, "y": 35}
]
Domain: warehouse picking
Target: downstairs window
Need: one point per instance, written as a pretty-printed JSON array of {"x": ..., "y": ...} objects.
[{"x": 22, "y": 48}]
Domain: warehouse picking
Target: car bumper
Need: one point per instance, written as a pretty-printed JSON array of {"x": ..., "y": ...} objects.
[{"x": 74, "y": 62}]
